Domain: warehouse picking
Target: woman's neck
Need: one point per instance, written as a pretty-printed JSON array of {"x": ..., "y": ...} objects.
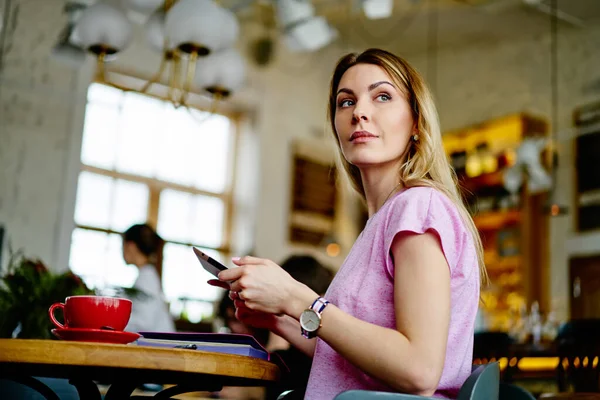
[
  {"x": 379, "y": 185},
  {"x": 141, "y": 261}
]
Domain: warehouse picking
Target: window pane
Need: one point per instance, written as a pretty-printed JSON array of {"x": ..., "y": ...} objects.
[
  {"x": 92, "y": 207},
  {"x": 87, "y": 258},
  {"x": 176, "y": 149},
  {"x": 130, "y": 204},
  {"x": 98, "y": 93},
  {"x": 97, "y": 258},
  {"x": 141, "y": 121},
  {"x": 210, "y": 156},
  {"x": 100, "y": 132},
  {"x": 175, "y": 215},
  {"x": 207, "y": 229},
  {"x": 183, "y": 276}
]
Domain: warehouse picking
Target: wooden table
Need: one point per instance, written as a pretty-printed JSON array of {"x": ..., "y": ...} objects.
[{"x": 126, "y": 367}]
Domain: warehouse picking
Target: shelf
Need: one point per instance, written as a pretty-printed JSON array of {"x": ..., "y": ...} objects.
[
  {"x": 493, "y": 179},
  {"x": 503, "y": 264},
  {"x": 494, "y": 220}
]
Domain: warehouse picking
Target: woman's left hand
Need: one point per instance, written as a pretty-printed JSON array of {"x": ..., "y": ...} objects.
[{"x": 263, "y": 285}]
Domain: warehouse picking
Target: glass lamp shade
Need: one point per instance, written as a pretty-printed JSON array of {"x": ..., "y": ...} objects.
[
  {"x": 290, "y": 12},
  {"x": 201, "y": 26},
  {"x": 229, "y": 29},
  {"x": 103, "y": 28},
  {"x": 221, "y": 73},
  {"x": 143, "y": 6},
  {"x": 155, "y": 32},
  {"x": 310, "y": 35}
]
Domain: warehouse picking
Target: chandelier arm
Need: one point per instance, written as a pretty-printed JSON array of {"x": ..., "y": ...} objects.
[
  {"x": 213, "y": 109},
  {"x": 156, "y": 78},
  {"x": 176, "y": 84},
  {"x": 100, "y": 70},
  {"x": 101, "y": 73},
  {"x": 172, "y": 79},
  {"x": 190, "y": 73}
]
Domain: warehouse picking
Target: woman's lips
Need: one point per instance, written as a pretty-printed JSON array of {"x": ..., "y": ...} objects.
[{"x": 362, "y": 137}]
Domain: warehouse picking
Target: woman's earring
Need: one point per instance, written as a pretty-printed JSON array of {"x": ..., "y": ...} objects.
[{"x": 415, "y": 138}]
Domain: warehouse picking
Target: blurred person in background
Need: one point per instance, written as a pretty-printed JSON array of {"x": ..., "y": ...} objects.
[{"x": 143, "y": 247}]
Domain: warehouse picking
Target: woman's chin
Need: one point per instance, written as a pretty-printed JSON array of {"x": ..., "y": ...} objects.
[{"x": 365, "y": 162}]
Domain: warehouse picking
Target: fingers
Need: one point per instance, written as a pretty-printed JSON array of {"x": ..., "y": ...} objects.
[
  {"x": 248, "y": 260},
  {"x": 218, "y": 283},
  {"x": 231, "y": 274},
  {"x": 239, "y": 304}
]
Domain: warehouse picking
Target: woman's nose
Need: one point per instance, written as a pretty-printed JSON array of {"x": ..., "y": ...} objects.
[{"x": 359, "y": 115}]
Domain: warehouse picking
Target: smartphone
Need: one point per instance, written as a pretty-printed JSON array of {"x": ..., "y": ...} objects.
[{"x": 209, "y": 264}]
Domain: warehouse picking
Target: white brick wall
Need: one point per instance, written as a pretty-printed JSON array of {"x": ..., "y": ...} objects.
[{"x": 39, "y": 117}]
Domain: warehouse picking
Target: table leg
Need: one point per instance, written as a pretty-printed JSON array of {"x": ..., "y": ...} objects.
[
  {"x": 120, "y": 390},
  {"x": 34, "y": 384},
  {"x": 87, "y": 389}
]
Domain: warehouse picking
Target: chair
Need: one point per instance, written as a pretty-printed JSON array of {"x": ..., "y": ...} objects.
[
  {"x": 482, "y": 384},
  {"x": 36, "y": 388},
  {"x": 509, "y": 391}
]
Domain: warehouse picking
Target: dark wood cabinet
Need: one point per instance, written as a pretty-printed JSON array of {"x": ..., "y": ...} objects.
[
  {"x": 584, "y": 278},
  {"x": 587, "y": 151}
]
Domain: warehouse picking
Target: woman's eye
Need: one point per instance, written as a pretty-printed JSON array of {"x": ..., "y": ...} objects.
[
  {"x": 384, "y": 97},
  {"x": 345, "y": 103}
]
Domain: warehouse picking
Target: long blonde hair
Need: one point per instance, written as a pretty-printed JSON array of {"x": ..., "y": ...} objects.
[{"x": 426, "y": 162}]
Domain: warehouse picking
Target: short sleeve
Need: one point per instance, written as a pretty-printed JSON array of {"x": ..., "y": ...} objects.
[{"x": 422, "y": 209}]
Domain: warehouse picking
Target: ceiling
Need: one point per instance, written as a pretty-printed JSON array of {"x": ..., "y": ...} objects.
[{"x": 459, "y": 22}]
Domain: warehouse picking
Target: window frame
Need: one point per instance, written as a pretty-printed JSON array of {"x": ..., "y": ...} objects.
[{"x": 155, "y": 185}]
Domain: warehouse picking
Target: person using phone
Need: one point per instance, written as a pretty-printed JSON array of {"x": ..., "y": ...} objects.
[
  {"x": 305, "y": 269},
  {"x": 143, "y": 247},
  {"x": 400, "y": 313}
]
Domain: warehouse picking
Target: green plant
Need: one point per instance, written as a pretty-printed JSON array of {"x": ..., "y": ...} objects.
[{"x": 27, "y": 290}]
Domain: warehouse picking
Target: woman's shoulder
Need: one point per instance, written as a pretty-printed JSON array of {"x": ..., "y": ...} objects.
[
  {"x": 422, "y": 202},
  {"x": 422, "y": 194}
]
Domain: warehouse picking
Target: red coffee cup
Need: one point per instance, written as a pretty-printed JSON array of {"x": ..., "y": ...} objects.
[{"x": 93, "y": 312}]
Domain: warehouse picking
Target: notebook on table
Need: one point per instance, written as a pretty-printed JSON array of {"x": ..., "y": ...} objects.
[{"x": 231, "y": 343}]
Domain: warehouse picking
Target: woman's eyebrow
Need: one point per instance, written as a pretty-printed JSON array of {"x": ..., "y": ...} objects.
[
  {"x": 372, "y": 87},
  {"x": 345, "y": 90},
  {"x": 377, "y": 84}
]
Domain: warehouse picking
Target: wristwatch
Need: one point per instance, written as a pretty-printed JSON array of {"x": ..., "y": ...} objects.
[{"x": 310, "y": 319}]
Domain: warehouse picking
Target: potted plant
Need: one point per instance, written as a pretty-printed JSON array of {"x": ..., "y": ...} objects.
[{"x": 27, "y": 290}]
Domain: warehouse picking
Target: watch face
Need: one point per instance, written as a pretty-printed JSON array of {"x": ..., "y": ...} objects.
[{"x": 309, "y": 320}]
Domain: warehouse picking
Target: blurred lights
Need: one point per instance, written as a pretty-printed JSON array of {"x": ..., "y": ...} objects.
[{"x": 333, "y": 249}]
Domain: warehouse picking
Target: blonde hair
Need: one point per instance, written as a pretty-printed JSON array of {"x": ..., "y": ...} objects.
[{"x": 426, "y": 162}]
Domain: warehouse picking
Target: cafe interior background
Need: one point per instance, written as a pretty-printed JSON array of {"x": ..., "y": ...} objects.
[{"x": 105, "y": 123}]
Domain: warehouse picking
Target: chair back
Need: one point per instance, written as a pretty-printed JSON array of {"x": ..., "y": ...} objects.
[{"x": 482, "y": 384}]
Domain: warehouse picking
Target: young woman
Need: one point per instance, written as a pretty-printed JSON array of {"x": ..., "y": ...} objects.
[
  {"x": 142, "y": 247},
  {"x": 400, "y": 313}
]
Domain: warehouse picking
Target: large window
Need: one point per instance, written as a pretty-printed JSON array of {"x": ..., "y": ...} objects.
[{"x": 143, "y": 160}]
